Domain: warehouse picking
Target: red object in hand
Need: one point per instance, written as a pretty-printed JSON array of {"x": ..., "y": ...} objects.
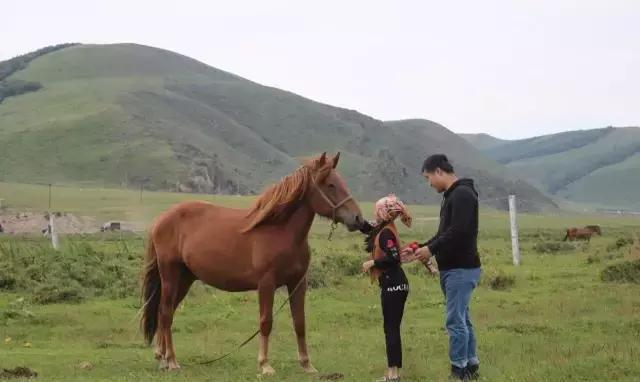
[{"x": 414, "y": 246}]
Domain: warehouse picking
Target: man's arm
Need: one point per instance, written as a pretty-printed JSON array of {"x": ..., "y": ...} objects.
[
  {"x": 462, "y": 214},
  {"x": 426, "y": 243}
]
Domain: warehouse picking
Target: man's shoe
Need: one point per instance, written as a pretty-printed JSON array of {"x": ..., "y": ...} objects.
[
  {"x": 458, "y": 373},
  {"x": 473, "y": 372}
]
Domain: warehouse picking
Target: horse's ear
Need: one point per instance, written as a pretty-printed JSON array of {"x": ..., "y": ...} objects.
[
  {"x": 336, "y": 159},
  {"x": 322, "y": 160}
]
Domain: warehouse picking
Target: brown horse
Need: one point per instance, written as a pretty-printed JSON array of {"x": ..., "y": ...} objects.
[
  {"x": 240, "y": 250},
  {"x": 578, "y": 234}
]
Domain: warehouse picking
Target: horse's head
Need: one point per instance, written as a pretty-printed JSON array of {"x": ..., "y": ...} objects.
[
  {"x": 595, "y": 229},
  {"x": 330, "y": 196}
]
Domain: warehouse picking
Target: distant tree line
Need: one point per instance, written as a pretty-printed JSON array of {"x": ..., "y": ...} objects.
[
  {"x": 17, "y": 87},
  {"x": 9, "y": 88}
]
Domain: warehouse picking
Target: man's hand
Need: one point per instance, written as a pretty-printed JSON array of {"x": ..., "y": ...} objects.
[
  {"x": 431, "y": 267},
  {"x": 423, "y": 254},
  {"x": 367, "y": 265}
]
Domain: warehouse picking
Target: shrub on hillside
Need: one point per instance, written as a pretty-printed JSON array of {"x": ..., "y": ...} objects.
[
  {"x": 7, "y": 279},
  {"x": 17, "y": 63},
  {"x": 77, "y": 271},
  {"x": 329, "y": 268},
  {"x": 499, "y": 280},
  {"x": 627, "y": 272},
  {"x": 634, "y": 252},
  {"x": 553, "y": 247},
  {"x": 52, "y": 294},
  {"x": 17, "y": 87},
  {"x": 502, "y": 282},
  {"x": 620, "y": 242},
  {"x": 11, "y": 88}
]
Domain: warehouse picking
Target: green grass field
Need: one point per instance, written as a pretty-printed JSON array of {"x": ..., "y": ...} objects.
[{"x": 557, "y": 322}]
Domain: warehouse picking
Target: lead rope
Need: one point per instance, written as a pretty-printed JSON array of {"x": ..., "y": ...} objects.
[
  {"x": 332, "y": 229},
  {"x": 304, "y": 277}
]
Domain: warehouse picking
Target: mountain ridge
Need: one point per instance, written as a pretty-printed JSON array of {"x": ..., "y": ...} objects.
[
  {"x": 127, "y": 114},
  {"x": 574, "y": 165}
]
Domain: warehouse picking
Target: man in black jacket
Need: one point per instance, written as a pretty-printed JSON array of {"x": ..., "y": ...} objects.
[{"x": 456, "y": 250}]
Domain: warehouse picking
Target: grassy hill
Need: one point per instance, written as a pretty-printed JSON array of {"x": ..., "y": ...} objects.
[
  {"x": 599, "y": 166},
  {"x": 483, "y": 141},
  {"x": 131, "y": 115}
]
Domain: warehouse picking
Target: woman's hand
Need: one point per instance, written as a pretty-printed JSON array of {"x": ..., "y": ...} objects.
[
  {"x": 367, "y": 265},
  {"x": 367, "y": 227},
  {"x": 407, "y": 255}
]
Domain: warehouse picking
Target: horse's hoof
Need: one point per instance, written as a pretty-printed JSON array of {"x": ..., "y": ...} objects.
[
  {"x": 309, "y": 369},
  {"x": 268, "y": 370},
  {"x": 169, "y": 365}
]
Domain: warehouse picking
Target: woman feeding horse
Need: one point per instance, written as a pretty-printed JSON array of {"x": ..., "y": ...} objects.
[
  {"x": 240, "y": 250},
  {"x": 384, "y": 244}
]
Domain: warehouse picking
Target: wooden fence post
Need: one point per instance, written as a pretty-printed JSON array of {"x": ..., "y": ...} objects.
[{"x": 515, "y": 242}]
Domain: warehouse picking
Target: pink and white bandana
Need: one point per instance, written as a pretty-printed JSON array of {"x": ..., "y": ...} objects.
[{"x": 389, "y": 208}]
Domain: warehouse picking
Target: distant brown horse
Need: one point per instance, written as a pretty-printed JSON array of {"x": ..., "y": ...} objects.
[
  {"x": 578, "y": 234},
  {"x": 240, "y": 250}
]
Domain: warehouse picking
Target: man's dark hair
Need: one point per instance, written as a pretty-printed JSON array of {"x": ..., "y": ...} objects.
[{"x": 437, "y": 161}]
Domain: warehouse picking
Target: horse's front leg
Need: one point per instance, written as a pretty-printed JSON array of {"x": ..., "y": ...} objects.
[
  {"x": 296, "y": 302},
  {"x": 266, "y": 290}
]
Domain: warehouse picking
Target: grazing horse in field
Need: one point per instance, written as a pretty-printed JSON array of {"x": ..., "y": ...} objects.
[
  {"x": 578, "y": 234},
  {"x": 240, "y": 250}
]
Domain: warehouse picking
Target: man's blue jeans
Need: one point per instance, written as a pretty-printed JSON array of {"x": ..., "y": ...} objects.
[{"x": 457, "y": 286}]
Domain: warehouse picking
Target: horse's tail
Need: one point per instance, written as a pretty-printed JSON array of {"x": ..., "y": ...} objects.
[{"x": 150, "y": 293}]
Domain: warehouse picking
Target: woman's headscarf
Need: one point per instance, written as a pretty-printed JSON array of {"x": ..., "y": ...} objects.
[{"x": 389, "y": 208}]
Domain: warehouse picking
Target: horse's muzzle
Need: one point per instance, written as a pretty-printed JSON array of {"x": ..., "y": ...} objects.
[{"x": 354, "y": 223}]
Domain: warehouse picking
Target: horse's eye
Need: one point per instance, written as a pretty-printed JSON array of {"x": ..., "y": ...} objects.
[{"x": 332, "y": 186}]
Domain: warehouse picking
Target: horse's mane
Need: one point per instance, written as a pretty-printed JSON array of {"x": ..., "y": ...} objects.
[{"x": 278, "y": 202}]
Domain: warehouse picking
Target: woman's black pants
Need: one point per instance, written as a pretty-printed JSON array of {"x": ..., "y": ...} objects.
[{"x": 393, "y": 300}]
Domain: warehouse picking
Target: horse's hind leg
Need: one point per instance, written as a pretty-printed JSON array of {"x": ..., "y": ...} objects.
[
  {"x": 296, "y": 302},
  {"x": 160, "y": 348},
  {"x": 174, "y": 288}
]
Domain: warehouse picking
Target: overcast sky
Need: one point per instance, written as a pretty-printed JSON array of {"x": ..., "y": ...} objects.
[{"x": 509, "y": 68}]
